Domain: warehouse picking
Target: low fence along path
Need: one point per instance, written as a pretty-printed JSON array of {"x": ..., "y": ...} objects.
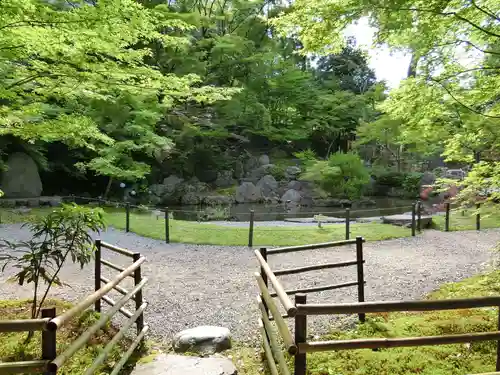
[{"x": 191, "y": 285}]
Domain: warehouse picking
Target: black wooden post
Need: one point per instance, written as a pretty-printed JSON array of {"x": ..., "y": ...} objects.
[
  {"x": 347, "y": 223},
  {"x": 263, "y": 274},
  {"x": 138, "y": 295},
  {"x": 49, "y": 344},
  {"x": 250, "y": 229},
  {"x": 419, "y": 216},
  {"x": 300, "y": 336},
  {"x": 97, "y": 273},
  {"x": 447, "y": 218},
  {"x": 127, "y": 217},
  {"x": 361, "y": 275},
  {"x": 167, "y": 226},
  {"x": 413, "y": 213},
  {"x": 478, "y": 216}
]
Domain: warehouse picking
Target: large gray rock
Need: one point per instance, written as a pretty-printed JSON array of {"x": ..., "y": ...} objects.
[
  {"x": 247, "y": 192},
  {"x": 264, "y": 159},
  {"x": 268, "y": 186},
  {"x": 292, "y": 172},
  {"x": 170, "y": 364},
  {"x": 202, "y": 339},
  {"x": 218, "y": 200},
  {"x": 291, "y": 196},
  {"x": 260, "y": 172},
  {"x": 404, "y": 220},
  {"x": 191, "y": 198},
  {"x": 224, "y": 179},
  {"x": 295, "y": 185},
  {"x": 158, "y": 190},
  {"x": 171, "y": 183},
  {"x": 21, "y": 179}
]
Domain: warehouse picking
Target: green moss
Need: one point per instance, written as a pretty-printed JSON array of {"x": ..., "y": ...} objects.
[
  {"x": 466, "y": 219},
  {"x": 229, "y": 191}
]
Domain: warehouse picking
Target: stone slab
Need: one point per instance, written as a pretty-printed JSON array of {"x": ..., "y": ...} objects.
[
  {"x": 405, "y": 220},
  {"x": 168, "y": 364},
  {"x": 307, "y": 220}
]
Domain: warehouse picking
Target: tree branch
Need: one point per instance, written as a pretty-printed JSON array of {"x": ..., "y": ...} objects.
[
  {"x": 462, "y": 104},
  {"x": 440, "y": 13},
  {"x": 468, "y": 71},
  {"x": 485, "y": 11}
]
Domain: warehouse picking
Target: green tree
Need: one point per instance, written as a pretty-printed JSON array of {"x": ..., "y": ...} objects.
[{"x": 342, "y": 175}]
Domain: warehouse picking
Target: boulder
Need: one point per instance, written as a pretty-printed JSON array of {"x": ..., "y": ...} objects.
[
  {"x": 327, "y": 202},
  {"x": 427, "y": 178},
  {"x": 295, "y": 185},
  {"x": 268, "y": 186},
  {"x": 224, "y": 179},
  {"x": 251, "y": 164},
  {"x": 260, "y": 172},
  {"x": 202, "y": 339},
  {"x": 291, "y": 196},
  {"x": 170, "y": 184},
  {"x": 171, "y": 364},
  {"x": 206, "y": 175},
  {"x": 238, "y": 169},
  {"x": 292, "y": 172},
  {"x": 264, "y": 159},
  {"x": 21, "y": 179},
  {"x": 247, "y": 192},
  {"x": 404, "y": 220},
  {"x": 191, "y": 199},
  {"x": 218, "y": 200},
  {"x": 158, "y": 190}
]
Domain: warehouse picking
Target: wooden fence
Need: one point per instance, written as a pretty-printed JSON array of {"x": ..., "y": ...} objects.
[
  {"x": 298, "y": 345},
  {"x": 268, "y": 305},
  {"x": 49, "y": 324}
]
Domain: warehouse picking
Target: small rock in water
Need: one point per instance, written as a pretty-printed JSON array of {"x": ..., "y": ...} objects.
[{"x": 202, "y": 339}]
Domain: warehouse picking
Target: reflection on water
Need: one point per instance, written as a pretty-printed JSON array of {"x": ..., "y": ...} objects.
[{"x": 263, "y": 212}]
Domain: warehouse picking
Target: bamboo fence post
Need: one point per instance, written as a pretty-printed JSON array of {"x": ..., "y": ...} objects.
[
  {"x": 361, "y": 277},
  {"x": 478, "y": 217},
  {"x": 497, "y": 367},
  {"x": 300, "y": 336},
  {"x": 447, "y": 218},
  {"x": 413, "y": 213},
  {"x": 138, "y": 295},
  {"x": 167, "y": 226},
  {"x": 97, "y": 273},
  {"x": 263, "y": 252},
  {"x": 250, "y": 229},
  {"x": 347, "y": 223},
  {"x": 127, "y": 217},
  {"x": 49, "y": 344}
]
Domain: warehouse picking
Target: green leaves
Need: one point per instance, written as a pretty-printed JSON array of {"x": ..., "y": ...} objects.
[
  {"x": 64, "y": 232},
  {"x": 342, "y": 175}
]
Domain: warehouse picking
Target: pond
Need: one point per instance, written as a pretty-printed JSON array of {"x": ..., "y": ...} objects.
[{"x": 272, "y": 212}]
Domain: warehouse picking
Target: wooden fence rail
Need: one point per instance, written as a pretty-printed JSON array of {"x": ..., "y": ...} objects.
[
  {"x": 49, "y": 324},
  {"x": 299, "y": 346}
]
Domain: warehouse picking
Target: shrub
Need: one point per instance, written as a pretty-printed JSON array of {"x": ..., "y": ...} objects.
[{"x": 342, "y": 175}]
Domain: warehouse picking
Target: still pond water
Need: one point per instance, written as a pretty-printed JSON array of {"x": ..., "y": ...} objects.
[{"x": 263, "y": 212}]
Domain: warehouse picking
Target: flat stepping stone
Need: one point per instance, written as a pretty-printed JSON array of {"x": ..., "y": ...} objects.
[
  {"x": 168, "y": 364},
  {"x": 307, "y": 220},
  {"x": 203, "y": 340},
  {"x": 404, "y": 220}
]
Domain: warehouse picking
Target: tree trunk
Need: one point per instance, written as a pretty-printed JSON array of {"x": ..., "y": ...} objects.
[{"x": 108, "y": 187}]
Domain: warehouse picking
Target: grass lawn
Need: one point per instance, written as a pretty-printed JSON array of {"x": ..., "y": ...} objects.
[
  {"x": 457, "y": 359},
  {"x": 14, "y": 349},
  {"x": 145, "y": 224},
  {"x": 489, "y": 219}
]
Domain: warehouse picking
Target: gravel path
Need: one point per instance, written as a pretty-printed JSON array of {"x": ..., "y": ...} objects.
[{"x": 200, "y": 284}]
